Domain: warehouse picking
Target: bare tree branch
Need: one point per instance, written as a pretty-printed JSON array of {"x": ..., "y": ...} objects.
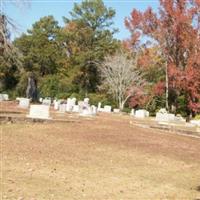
[{"x": 121, "y": 77}]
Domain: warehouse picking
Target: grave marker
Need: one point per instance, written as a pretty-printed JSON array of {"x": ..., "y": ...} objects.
[{"x": 39, "y": 112}]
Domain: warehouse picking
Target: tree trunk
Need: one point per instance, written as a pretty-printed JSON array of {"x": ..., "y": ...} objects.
[
  {"x": 121, "y": 106},
  {"x": 167, "y": 86}
]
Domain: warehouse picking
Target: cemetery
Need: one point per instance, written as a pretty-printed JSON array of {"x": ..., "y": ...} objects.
[
  {"x": 100, "y": 100},
  {"x": 84, "y": 139}
]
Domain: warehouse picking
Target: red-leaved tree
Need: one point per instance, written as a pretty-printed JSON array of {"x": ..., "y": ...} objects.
[{"x": 175, "y": 29}]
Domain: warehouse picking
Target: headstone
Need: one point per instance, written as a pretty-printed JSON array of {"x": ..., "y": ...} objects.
[
  {"x": 56, "y": 105},
  {"x": 70, "y": 104},
  {"x": 132, "y": 112},
  {"x": 195, "y": 122},
  {"x": 141, "y": 113},
  {"x": 86, "y": 100},
  {"x": 40, "y": 100},
  {"x": 24, "y": 103},
  {"x": 73, "y": 101},
  {"x": 1, "y": 97},
  {"x": 107, "y": 108},
  {"x": 94, "y": 110},
  {"x": 76, "y": 108},
  {"x": 87, "y": 112},
  {"x": 164, "y": 117},
  {"x": 80, "y": 104},
  {"x": 39, "y": 112},
  {"x": 18, "y": 98},
  {"x": 62, "y": 108},
  {"x": 163, "y": 111},
  {"x": 46, "y": 102},
  {"x": 4, "y": 97},
  {"x": 99, "y": 106},
  {"x": 116, "y": 110},
  {"x": 179, "y": 118}
]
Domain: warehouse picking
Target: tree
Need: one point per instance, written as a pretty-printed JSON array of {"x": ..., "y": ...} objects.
[
  {"x": 39, "y": 47},
  {"x": 9, "y": 55},
  {"x": 10, "y": 58},
  {"x": 121, "y": 77},
  {"x": 175, "y": 29},
  {"x": 90, "y": 31}
]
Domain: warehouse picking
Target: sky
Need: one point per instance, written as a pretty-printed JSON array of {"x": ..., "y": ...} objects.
[{"x": 26, "y": 16}]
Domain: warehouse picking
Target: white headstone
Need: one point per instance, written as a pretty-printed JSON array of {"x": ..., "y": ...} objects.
[
  {"x": 163, "y": 110},
  {"x": 24, "y": 102},
  {"x": 46, "y": 102},
  {"x": 62, "y": 107},
  {"x": 116, "y": 110},
  {"x": 87, "y": 112},
  {"x": 39, "y": 112},
  {"x": 70, "y": 104},
  {"x": 195, "y": 122},
  {"x": 73, "y": 101},
  {"x": 164, "y": 117},
  {"x": 86, "y": 100},
  {"x": 4, "y": 97},
  {"x": 132, "y": 112},
  {"x": 179, "y": 118},
  {"x": 107, "y": 108},
  {"x": 18, "y": 98},
  {"x": 1, "y": 97},
  {"x": 56, "y": 105},
  {"x": 141, "y": 113},
  {"x": 76, "y": 108},
  {"x": 99, "y": 106},
  {"x": 94, "y": 110},
  {"x": 40, "y": 100}
]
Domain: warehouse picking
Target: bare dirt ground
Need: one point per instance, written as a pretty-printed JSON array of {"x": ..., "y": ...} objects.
[{"x": 104, "y": 158}]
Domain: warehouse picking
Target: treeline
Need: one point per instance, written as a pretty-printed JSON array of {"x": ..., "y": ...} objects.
[{"x": 65, "y": 60}]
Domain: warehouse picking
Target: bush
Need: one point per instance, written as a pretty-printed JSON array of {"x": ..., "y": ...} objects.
[
  {"x": 127, "y": 110},
  {"x": 103, "y": 98},
  {"x": 182, "y": 106}
]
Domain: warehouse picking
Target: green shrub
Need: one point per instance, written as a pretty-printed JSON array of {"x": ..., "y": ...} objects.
[
  {"x": 182, "y": 105},
  {"x": 103, "y": 98},
  {"x": 127, "y": 110}
]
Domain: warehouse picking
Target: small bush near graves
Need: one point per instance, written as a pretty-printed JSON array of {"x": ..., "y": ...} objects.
[{"x": 103, "y": 98}]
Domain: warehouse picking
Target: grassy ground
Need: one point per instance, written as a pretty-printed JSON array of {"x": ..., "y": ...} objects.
[{"x": 100, "y": 159}]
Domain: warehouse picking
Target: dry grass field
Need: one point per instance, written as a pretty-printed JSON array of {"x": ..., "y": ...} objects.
[{"x": 99, "y": 159}]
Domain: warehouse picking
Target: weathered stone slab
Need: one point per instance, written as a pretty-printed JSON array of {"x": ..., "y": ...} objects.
[{"x": 39, "y": 112}]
